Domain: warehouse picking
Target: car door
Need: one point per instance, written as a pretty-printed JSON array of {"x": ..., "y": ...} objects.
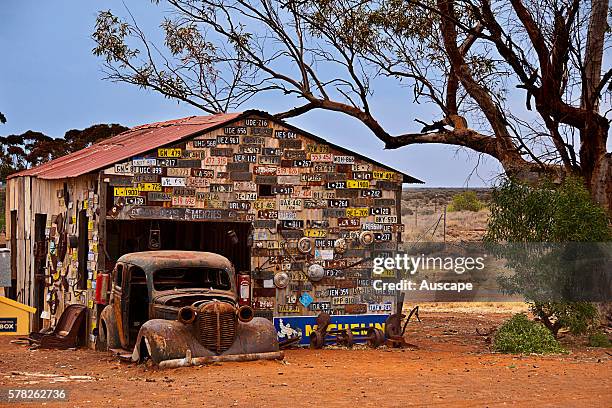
[{"x": 118, "y": 296}]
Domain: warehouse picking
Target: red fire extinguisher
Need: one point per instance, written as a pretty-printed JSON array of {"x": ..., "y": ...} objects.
[
  {"x": 102, "y": 281},
  {"x": 243, "y": 281}
]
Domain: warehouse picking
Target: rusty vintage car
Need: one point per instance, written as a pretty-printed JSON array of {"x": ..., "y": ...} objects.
[{"x": 180, "y": 308}]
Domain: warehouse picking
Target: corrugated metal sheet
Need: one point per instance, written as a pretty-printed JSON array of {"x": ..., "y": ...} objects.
[
  {"x": 135, "y": 141},
  {"x": 142, "y": 139}
]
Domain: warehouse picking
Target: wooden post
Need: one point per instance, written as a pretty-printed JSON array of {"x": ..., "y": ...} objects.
[
  {"x": 445, "y": 224},
  {"x": 102, "y": 185}
]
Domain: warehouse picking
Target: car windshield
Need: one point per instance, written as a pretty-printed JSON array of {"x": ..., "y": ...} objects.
[{"x": 185, "y": 278}]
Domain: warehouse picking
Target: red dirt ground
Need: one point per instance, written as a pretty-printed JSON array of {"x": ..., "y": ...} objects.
[{"x": 453, "y": 366}]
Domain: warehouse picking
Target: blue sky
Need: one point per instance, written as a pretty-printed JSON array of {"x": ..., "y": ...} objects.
[{"x": 51, "y": 82}]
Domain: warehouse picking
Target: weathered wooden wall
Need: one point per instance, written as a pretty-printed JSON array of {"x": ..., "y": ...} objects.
[{"x": 31, "y": 196}]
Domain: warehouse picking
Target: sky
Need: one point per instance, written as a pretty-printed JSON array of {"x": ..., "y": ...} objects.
[{"x": 51, "y": 82}]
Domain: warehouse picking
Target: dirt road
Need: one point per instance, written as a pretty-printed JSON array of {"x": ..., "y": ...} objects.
[{"x": 453, "y": 367}]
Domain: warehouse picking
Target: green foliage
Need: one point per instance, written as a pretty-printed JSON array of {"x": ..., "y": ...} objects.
[
  {"x": 578, "y": 317},
  {"x": 18, "y": 152},
  {"x": 550, "y": 215},
  {"x": 521, "y": 335},
  {"x": 466, "y": 201},
  {"x": 599, "y": 339},
  {"x": 546, "y": 213}
]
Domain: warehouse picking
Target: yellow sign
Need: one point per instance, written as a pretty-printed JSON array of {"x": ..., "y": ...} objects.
[
  {"x": 357, "y": 212},
  {"x": 264, "y": 205},
  {"x": 358, "y": 183},
  {"x": 177, "y": 153},
  {"x": 90, "y": 225},
  {"x": 387, "y": 273},
  {"x": 126, "y": 192},
  {"x": 314, "y": 148},
  {"x": 149, "y": 187},
  {"x": 383, "y": 175},
  {"x": 315, "y": 233}
]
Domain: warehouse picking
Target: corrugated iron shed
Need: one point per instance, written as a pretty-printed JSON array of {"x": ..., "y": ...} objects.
[
  {"x": 144, "y": 138},
  {"x": 135, "y": 141}
]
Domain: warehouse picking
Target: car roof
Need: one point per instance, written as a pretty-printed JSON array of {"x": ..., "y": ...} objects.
[{"x": 152, "y": 260}]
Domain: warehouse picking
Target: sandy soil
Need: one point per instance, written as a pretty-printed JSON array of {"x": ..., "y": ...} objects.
[{"x": 452, "y": 366}]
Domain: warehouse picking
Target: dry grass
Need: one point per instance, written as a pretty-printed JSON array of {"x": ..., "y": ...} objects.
[
  {"x": 460, "y": 226},
  {"x": 472, "y": 307},
  {"x": 423, "y": 215}
]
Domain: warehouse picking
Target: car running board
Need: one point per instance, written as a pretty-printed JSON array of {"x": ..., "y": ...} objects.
[{"x": 123, "y": 354}]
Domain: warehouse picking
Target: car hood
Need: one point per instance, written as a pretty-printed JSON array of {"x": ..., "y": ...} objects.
[{"x": 167, "y": 296}]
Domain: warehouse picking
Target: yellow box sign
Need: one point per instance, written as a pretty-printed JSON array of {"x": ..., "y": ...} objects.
[
  {"x": 126, "y": 192},
  {"x": 315, "y": 233},
  {"x": 358, "y": 183},
  {"x": 149, "y": 187},
  {"x": 357, "y": 212},
  {"x": 383, "y": 175},
  {"x": 176, "y": 152}
]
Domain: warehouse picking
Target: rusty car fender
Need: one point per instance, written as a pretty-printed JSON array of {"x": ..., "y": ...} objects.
[
  {"x": 109, "y": 333},
  {"x": 164, "y": 340}
]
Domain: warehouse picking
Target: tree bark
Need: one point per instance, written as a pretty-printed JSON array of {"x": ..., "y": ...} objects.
[{"x": 596, "y": 163}]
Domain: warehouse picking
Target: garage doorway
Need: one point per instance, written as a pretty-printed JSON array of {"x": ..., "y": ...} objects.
[{"x": 125, "y": 236}]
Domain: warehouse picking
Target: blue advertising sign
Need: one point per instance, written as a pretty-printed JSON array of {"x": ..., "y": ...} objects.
[
  {"x": 291, "y": 326},
  {"x": 306, "y": 299}
]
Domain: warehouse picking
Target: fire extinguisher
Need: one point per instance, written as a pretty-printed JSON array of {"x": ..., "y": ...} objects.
[
  {"x": 244, "y": 289},
  {"x": 102, "y": 281}
]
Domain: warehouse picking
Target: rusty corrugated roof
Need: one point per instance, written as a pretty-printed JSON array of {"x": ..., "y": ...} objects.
[
  {"x": 132, "y": 142},
  {"x": 144, "y": 138}
]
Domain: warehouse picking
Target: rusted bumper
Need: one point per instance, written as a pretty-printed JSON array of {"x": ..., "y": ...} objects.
[
  {"x": 189, "y": 361},
  {"x": 171, "y": 340}
]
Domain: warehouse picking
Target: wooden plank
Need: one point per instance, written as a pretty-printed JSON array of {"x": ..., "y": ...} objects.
[{"x": 102, "y": 188}]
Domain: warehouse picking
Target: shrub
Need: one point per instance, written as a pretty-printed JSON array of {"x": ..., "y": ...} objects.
[
  {"x": 546, "y": 212},
  {"x": 466, "y": 201},
  {"x": 578, "y": 317},
  {"x": 599, "y": 339},
  {"x": 521, "y": 335},
  {"x": 550, "y": 213}
]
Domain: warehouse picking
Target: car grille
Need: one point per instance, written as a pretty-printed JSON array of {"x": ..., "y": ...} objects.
[{"x": 217, "y": 326}]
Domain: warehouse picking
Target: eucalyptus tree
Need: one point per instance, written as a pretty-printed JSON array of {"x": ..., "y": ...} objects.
[{"x": 466, "y": 58}]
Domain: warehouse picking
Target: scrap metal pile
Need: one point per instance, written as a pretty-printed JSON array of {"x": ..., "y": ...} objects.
[{"x": 393, "y": 335}]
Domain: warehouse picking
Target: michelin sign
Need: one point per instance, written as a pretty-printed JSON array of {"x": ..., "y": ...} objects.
[{"x": 291, "y": 326}]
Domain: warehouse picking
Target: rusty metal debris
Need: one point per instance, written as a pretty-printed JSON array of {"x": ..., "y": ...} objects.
[
  {"x": 290, "y": 342},
  {"x": 188, "y": 360},
  {"x": 65, "y": 334},
  {"x": 346, "y": 337},
  {"x": 394, "y": 330}
]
